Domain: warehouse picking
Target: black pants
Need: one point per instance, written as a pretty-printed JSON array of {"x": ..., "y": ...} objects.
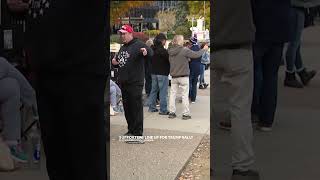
[
  {"x": 133, "y": 107},
  {"x": 71, "y": 111},
  {"x": 267, "y": 59}
]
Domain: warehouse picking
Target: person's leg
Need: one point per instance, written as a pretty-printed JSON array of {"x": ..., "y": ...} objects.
[
  {"x": 293, "y": 54},
  {"x": 173, "y": 94},
  {"x": 239, "y": 77},
  {"x": 52, "y": 123},
  {"x": 201, "y": 79},
  {"x": 113, "y": 96},
  {"x": 163, "y": 86},
  {"x": 152, "y": 100},
  {"x": 85, "y": 125},
  {"x": 148, "y": 79},
  {"x": 136, "y": 108},
  {"x": 126, "y": 106},
  {"x": 10, "y": 108},
  {"x": 194, "y": 87},
  {"x": 258, "y": 55},
  {"x": 271, "y": 63},
  {"x": 184, "y": 82}
]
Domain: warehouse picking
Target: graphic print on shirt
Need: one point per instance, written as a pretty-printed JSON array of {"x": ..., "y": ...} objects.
[
  {"x": 122, "y": 58},
  {"x": 38, "y": 8}
]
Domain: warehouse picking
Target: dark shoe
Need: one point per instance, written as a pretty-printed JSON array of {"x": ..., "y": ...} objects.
[
  {"x": 153, "y": 110},
  {"x": 164, "y": 113},
  {"x": 172, "y": 115},
  {"x": 291, "y": 81},
  {"x": 186, "y": 117},
  {"x": 245, "y": 175},
  {"x": 306, "y": 76},
  {"x": 206, "y": 85},
  {"x": 201, "y": 86},
  {"x": 255, "y": 119},
  {"x": 225, "y": 125}
]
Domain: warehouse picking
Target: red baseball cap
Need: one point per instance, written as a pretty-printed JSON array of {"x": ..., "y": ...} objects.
[{"x": 126, "y": 29}]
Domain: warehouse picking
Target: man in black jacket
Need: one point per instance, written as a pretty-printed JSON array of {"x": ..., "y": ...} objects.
[
  {"x": 65, "y": 42},
  {"x": 233, "y": 81},
  {"x": 130, "y": 59}
]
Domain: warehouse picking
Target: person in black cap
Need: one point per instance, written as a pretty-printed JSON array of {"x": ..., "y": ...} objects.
[{"x": 160, "y": 68}]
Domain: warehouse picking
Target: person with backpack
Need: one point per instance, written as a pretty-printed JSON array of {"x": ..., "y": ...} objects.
[{"x": 205, "y": 60}]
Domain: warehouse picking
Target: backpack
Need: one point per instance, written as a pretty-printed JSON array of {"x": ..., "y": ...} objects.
[{"x": 205, "y": 58}]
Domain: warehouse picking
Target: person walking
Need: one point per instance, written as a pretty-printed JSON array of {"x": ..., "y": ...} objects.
[{"x": 294, "y": 63}]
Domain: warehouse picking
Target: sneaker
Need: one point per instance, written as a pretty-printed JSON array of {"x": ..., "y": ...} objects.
[
  {"x": 193, "y": 102},
  {"x": 172, "y": 115},
  {"x": 153, "y": 110},
  {"x": 186, "y": 117},
  {"x": 201, "y": 86},
  {"x": 225, "y": 125},
  {"x": 264, "y": 128},
  {"x": 17, "y": 154},
  {"x": 164, "y": 113},
  {"x": 245, "y": 175}
]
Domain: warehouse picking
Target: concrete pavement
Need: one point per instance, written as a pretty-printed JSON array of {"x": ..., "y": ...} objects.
[{"x": 291, "y": 150}]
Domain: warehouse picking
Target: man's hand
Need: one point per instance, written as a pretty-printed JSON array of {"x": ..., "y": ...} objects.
[
  {"x": 18, "y": 5},
  {"x": 114, "y": 61},
  {"x": 206, "y": 47},
  {"x": 144, "y": 51}
]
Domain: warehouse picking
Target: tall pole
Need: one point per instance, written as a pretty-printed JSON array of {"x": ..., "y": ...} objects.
[{"x": 204, "y": 14}]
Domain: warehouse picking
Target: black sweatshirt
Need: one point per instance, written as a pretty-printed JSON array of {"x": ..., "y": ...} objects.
[
  {"x": 67, "y": 35},
  {"x": 160, "y": 62},
  {"x": 131, "y": 62}
]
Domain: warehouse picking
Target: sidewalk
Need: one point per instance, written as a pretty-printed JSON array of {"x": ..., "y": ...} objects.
[
  {"x": 160, "y": 159},
  {"x": 291, "y": 150},
  {"x": 157, "y": 160}
]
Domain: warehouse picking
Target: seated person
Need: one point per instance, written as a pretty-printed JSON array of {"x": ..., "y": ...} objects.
[
  {"x": 14, "y": 89},
  {"x": 115, "y": 94}
]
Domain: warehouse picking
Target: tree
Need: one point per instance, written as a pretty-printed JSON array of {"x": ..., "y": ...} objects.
[
  {"x": 121, "y": 8},
  {"x": 167, "y": 20},
  {"x": 199, "y": 9},
  {"x": 182, "y": 14}
]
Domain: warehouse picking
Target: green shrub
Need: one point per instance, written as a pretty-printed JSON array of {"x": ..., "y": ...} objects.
[
  {"x": 183, "y": 30},
  {"x": 152, "y": 33},
  {"x": 115, "y": 38}
]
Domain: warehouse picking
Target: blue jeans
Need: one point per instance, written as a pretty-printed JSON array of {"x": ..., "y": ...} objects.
[
  {"x": 293, "y": 54},
  {"x": 267, "y": 59},
  {"x": 202, "y": 69},
  {"x": 193, "y": 80},
  {"x": 159, "y": 83}
]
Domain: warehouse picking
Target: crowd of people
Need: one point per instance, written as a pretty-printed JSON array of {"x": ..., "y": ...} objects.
[
  {"x": 137, "y": 61},
  {"x": 247, "y": 59}
]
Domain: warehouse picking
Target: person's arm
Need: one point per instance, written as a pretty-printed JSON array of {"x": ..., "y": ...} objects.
[{"x": 194, "y": 54}]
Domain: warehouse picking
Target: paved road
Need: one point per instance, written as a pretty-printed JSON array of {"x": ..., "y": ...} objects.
[{"x": 291, "y": 151}]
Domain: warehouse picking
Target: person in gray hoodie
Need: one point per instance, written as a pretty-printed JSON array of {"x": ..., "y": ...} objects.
[
  {"x": 179, "y": 71},
  {"x": 232, "y": 76}
]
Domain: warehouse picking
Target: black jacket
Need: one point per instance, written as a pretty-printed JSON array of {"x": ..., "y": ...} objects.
[
  {"x": 67, "y": 35},
  {"x": 232, "y": 23},
  {"x": 131, "y": 62},
  {"x": 160, "y": 61},
  {"x": 272, "y": 20}
]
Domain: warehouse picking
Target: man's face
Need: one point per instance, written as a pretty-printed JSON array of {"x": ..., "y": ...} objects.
[{"x": 126, "y": 37}]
